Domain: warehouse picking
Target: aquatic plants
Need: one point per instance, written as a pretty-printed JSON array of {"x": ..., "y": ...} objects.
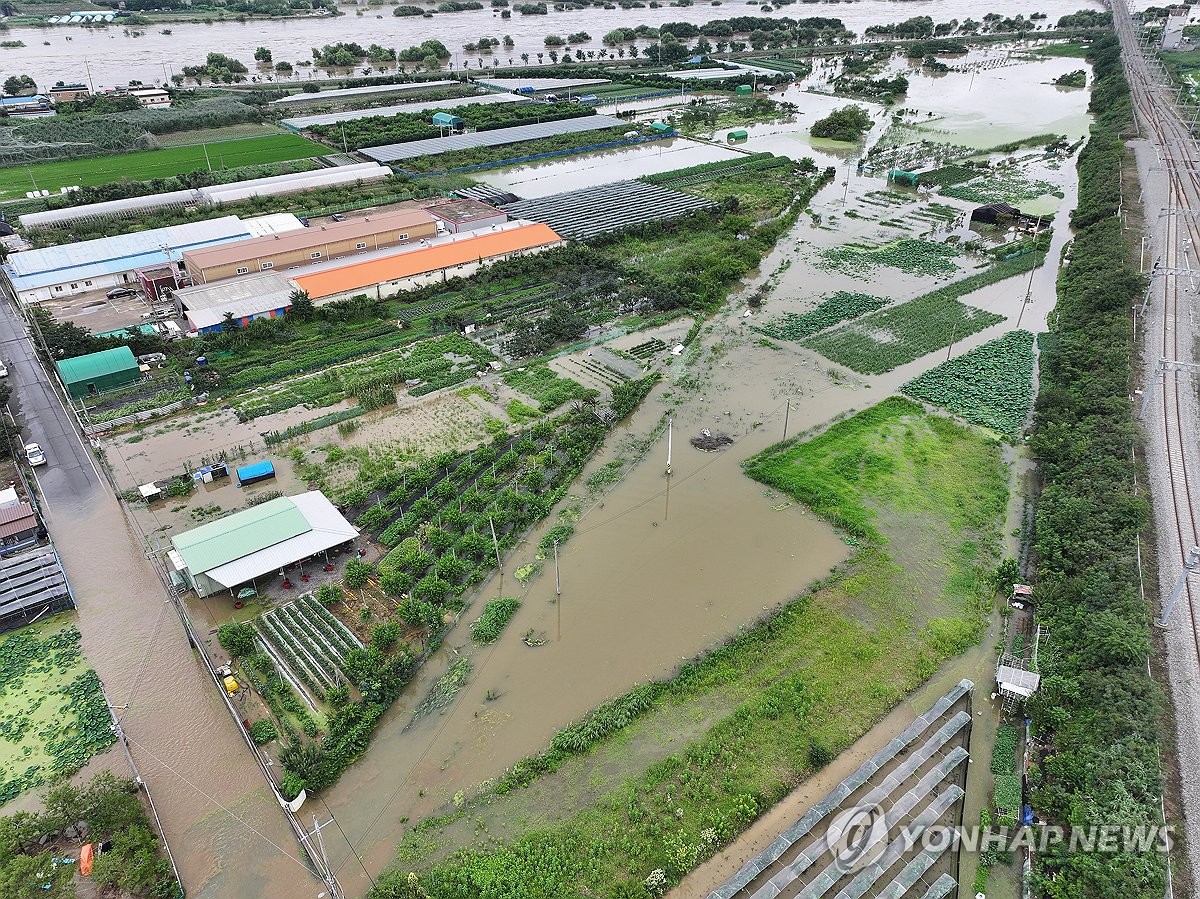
[
  {"x": 991, "y": 385},
  {"x": 841, "y": 306},
  {"x": 916, "y": 257}
]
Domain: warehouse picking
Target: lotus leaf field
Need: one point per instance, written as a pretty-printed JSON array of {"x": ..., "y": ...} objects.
[
  {"x": 991, "y": 385},
  {"x": 891, "y": 337},
  {"x": 1011, "y": 186},
  {"x": 841, "y": 306},
  {"x": 916, "y": 257},
  {"x": 53, "y": 717}
]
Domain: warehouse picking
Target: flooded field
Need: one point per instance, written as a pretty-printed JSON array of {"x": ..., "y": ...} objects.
[{"x": 115, "y": 56}]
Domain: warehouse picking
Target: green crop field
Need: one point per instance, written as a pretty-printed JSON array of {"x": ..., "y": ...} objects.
[{"x": 15, "y": 181}]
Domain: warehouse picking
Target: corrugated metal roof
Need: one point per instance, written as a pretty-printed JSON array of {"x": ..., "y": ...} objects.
[
  {"x": 351, "y": 115},
  {"x": 122, "y": 253},
  {"x": 274, "y": 223},
  {"x": 405, "y": 264},
  {"x": 235, "y": 290},
  {"x": 327, "y": 528},
  {"x": 17, "y": 519},
  {"x": 30, "y": 578},
  {"x": 580, "y": 214},
  {"x": 495, "y": 138},
  {"x": 215, "y": 315},
  {"x": 361, "y": 91},
  {"x": 241, "y": 534},
  {"x": 96, "y": 365},
  {"x": 306, "y": 238}
]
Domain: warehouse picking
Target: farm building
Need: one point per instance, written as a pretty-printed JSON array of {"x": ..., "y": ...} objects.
[
  {"x": 36, "y": 105},
  {"x": 497, "y": 137},
  {"x": 458, "y": 255},
  {"x": 214, "y": 195},
  {"x": 994, "y": 213},
  {"x": 65, "y": 93},
  {"x": 95, "y": 265},
  {"x": 354, "y": 93},
  {"x": 18, "y": 525},
  {"x": 158, "y": 281},
  {"x": 259, "y": 542},
  {"x": 151, "y": 96},
  {"x": 98, "y": 372},
  {"x": 273, "y": 288},
  {"x": 308, "y": 245},
  {"x": 580, "y": 214},
  {"x": 212, "y": 320},
  {"x": 467, "y": 215},
  {"x": 300, "y": 123}
]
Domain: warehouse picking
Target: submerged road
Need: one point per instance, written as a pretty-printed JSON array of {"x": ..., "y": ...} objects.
[{"x": 229, "y": 837}]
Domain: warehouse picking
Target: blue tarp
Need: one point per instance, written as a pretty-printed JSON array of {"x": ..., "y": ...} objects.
[{"x": 259, "y": 471}]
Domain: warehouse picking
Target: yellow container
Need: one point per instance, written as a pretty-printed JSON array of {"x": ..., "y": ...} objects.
[{"x": 231, "y": 685}]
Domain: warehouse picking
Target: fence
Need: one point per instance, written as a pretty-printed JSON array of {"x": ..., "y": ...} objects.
[{"x": 91, "y": 430}]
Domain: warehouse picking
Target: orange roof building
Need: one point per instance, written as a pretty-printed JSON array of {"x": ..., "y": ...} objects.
[{"x": 411, "y": 267}]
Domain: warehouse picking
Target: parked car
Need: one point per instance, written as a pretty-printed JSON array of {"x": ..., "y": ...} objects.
[
  {"x": 3, "y": 370},
  {"x": 118, "y": 293},
  {"x": 34, "y": 455}
]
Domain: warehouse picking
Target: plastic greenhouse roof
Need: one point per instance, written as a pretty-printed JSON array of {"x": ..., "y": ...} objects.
[
  {"x": 332, "y": 118},
  {"x": 361, "y": 91},
  {"x": 96, "y": 365},
  {"x": 494, "y": 138}
]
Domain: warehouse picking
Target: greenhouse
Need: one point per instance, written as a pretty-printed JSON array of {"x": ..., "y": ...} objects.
[
  {"x": 580, "y": 214},
  {"x": 355, "y": 92},
  {"x": 302, "y": 122}
]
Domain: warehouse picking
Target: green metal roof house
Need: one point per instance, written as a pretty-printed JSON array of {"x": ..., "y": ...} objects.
[
  {"x": 258, "y": 542},
  {"x": 447, "y": 120},
  {"x": 98, "y": 372}
]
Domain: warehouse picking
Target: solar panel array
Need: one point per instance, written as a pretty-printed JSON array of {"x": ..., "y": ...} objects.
[
  {"x": 494, "y": 138},
  {"x": 585, "y": 213}
]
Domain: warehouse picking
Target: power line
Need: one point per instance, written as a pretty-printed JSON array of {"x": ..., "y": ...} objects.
[{"x": 231, "y": 814}]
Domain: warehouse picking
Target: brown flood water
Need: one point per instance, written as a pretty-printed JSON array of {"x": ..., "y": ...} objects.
[{"x": 183, "y": 739}]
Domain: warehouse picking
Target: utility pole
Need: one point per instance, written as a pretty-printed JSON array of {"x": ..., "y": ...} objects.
[
  {"x": 557, "y": 590},
  {"x": 321, "y": 859},
  {"x": 496, "y": 544},
  {"x": 1190, "y": 564},
  {"x": 786, "y": 416}
]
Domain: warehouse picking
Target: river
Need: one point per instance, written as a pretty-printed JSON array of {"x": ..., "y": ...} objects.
[{"x": 112, "y": 56}]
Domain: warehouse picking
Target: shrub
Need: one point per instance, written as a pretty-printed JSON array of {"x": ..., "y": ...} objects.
[
  {"x": 263, "y": 732},
  {"x": 384, "y": 636},
  {"x": 330, "y": 594},
  {"x": 237, "y": 639}
]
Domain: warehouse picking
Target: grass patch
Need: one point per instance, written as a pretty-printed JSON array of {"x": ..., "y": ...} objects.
[
  {"x": 550, "y": 390},
  {"x": 992, "y": 385},
  {"x": 148, "y": 164},
  {"x": 782, "y": 696},
  {"x": 840, "y": 307},
  {"x": 891, "y": 337},
  {"x": 1069, "y": 50},
  {"x": 496, "y": 614}
]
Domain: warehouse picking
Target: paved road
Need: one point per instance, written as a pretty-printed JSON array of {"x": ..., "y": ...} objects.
[{"x": 70, "y": 475}]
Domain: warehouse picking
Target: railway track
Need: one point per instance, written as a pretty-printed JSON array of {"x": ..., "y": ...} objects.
[{"x": 1171, "y": 420}]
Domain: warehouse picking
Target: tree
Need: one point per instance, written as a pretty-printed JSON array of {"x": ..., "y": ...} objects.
[
  {"x": 302, "y": 306},
  {"x": 846, "y": 124},
  {"x": 15, "y": 85},
  {"x": 262, "y": 54},
  {"x": 431, "y": 63}
]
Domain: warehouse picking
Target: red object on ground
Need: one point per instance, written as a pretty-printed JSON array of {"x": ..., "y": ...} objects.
[
  {"x": 287, "y": 585},
  {"x": 304, "y": 577},
  {"x": 361, "y": 553},
  {"x": 329, "y": 566},
  {"x": 239, "y": 604}
]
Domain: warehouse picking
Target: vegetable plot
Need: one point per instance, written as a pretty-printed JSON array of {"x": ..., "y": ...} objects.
[
  {"x": 310, "y": 642},
  {"x": 892, "y": 337},
  {"x": 916, "y": 257},
  {"x": 991, "y": 385},
  {"x": 841, "y": 306}
]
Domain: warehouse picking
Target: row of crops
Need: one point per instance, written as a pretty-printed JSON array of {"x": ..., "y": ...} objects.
[
  {"x": 375, "y": 131},
  {"x": 647, "y": 349},
  {"x": 840, "y": 307},
  {"x": 992, "y": 385},
  {"x": 916, "y": 257},
  {"x": 540, "y": 383},
  {"x": 707, "y": 171},
  {"x": 309, "y": 642}
]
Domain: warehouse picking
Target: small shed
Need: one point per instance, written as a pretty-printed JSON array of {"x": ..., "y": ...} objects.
[
  {"x": 150, "y": 492},
  {"x": 744, "y": 90},
  {"x": 259, "y": 471},
  {"x": 899, "y": 176},
  {"x": 447, "y": 120},
  {"x": 97, "y": 372},
  {"x": 738, "y": 134},
  {"x": 994, "y": 213},
  {"x": 660, "y": 127}
]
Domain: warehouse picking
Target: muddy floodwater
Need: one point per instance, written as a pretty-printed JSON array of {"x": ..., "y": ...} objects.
[
  {"x": 114, "y": 56},
  {"x": 648, "y": 580}
]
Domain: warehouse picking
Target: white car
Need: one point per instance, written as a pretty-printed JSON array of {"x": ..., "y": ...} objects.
[
  {"x": 3, "y": 370},
  {"x": 34, "y": 455}
]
